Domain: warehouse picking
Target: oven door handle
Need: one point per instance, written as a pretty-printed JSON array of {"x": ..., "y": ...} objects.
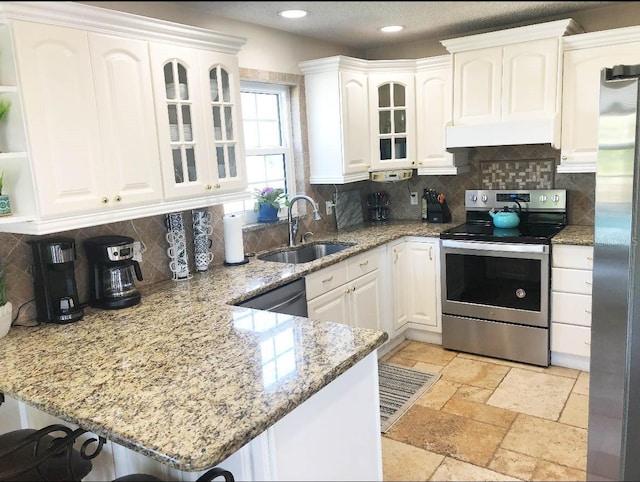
[{"x": 489, "y": 246}]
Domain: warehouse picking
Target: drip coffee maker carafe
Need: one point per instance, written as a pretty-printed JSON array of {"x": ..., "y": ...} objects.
[
  {"x": 54, "y": 280},
  {"x": 112, "y": 284}
]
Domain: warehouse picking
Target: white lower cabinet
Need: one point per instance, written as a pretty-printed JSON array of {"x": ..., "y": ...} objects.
[
  {"x": 571, "y": 278},
  {"x": 348, "y": 292},
  {"x": 415, "y": 281},
  {"x": 334, "y": 435}
]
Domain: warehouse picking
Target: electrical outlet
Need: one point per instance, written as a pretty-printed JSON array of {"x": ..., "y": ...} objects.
[
  {"x": 414, "y": 198},
  {"x": 137, "y": 251},
  {"x": 329, "y": 207}
]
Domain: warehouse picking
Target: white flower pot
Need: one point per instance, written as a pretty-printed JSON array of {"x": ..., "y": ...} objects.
[{"x": 6, "y": 312}]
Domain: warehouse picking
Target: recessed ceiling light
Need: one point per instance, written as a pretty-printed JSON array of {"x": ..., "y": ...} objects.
[
  {"x": 293, "y": 13},
  {"x": 391, "y": 28}
]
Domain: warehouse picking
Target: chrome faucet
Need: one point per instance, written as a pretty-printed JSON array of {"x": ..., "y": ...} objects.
[{"x": 293, "y": 224}]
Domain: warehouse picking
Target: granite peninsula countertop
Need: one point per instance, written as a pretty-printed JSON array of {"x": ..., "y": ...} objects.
[{"x": 179, "y": 377}]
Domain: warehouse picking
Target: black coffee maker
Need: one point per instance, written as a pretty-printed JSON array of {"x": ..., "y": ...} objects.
[
  {"x": 54, "y": 280},
  {"x": 111, "y": 281}
]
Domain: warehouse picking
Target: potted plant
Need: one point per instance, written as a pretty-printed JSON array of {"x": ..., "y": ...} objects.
[
  {"x": 6, "y": 310},
  {"x": 268, "y": 203},
  {"x": 5, "y": 205},
  {"x": 5, "y": 104}
]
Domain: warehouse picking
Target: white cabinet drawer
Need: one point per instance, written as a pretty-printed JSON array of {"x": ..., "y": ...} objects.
[
  {"x": 571, "y": 308},
  {"x": 571, "y": 339},
  {"x": 576, "y": 257},
  {"x": 326, "y": 279},
  {"x": 571, "y": 280},
  {"x": 363, "y": 263}
]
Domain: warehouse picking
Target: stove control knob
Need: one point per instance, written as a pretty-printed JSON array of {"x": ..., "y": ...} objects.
[
  {"x": 485, "y": 198},
  {"x": 473, "y": 198},
  {"x": 555, "y": 198},
  {"x": 543, "y": 198}
]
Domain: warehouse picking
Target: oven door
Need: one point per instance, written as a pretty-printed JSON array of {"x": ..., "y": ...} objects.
[{"x": 506, "y": 282}]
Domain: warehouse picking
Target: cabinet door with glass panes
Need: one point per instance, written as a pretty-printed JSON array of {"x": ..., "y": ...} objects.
[
  {"x": 392, "y": 117},
  {"x": 223, "y": 121},
  {"x": 196, "y": 110}
]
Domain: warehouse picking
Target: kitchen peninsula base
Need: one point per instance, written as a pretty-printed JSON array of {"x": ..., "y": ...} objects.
[{"x": 334, "y": 435}]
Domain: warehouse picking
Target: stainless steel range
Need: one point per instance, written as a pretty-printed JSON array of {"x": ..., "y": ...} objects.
[{"x": 495, "y": 281}]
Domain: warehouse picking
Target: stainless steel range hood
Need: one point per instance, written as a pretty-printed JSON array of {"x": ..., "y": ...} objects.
[{"x": 541, "y": 131}]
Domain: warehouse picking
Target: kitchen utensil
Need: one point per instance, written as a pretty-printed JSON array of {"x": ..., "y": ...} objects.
[{"x": 437, "y": 209}]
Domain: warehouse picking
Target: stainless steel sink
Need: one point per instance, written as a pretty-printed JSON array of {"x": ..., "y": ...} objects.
[{"x": 304, "y": 253}]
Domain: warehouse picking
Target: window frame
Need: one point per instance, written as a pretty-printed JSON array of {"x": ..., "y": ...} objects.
[{"x": 283, "y": 92}]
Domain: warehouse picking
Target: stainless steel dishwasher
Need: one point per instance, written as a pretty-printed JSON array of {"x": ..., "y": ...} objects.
[{"x": 289, "y": 299}]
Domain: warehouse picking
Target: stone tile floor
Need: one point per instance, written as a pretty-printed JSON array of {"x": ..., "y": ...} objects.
[{"x": 488, "y": 419}]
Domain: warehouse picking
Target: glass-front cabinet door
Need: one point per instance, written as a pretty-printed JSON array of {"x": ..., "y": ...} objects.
[
  {"x": 223, "y": 121},
  {"x": 393, "y": 122},
  {"x": 197, "y": 98}
]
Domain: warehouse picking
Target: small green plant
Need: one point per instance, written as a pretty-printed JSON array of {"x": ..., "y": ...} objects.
[{"x": 5, "y": 105}]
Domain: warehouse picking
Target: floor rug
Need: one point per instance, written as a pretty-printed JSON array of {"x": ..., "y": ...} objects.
[{"x": 400, "y": 387}]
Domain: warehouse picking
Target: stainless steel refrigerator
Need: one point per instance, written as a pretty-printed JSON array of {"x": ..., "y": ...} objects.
[{"x": 614, "y": 395}]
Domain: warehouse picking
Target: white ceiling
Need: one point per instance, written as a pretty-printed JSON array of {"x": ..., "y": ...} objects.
[{"x": 355, "y": 24}]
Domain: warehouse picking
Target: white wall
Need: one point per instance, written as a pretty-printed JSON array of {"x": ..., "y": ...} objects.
[
  {"x": 272, "y": 50},
  {"x": 626, "y": 14},
  {"x": 266, "y": 49}
]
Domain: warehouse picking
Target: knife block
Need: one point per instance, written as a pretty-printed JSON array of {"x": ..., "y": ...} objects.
[{"x": 438, "y": 212}]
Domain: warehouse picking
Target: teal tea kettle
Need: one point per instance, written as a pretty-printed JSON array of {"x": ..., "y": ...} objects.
[{"x": 507, "y": 218}]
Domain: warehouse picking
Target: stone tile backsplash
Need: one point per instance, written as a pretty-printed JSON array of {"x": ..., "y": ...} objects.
[{"x": 507, "y": 167}]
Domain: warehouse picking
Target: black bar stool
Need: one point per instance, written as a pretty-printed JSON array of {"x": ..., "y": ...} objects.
[
  {"x": 46, "y": 454},
  {"x": 209, "y": 476}
]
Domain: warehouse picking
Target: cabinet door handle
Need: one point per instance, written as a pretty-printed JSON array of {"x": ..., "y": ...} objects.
[
  {"x": 104, "y": 200},
  {"x": 587, "y": 343},
  {"x": 564, "y": 158},
  {"x": 430, "y": 250},
  {"x": 587, "y": 311},
  {"x": 365, "y": 263},
  {"x": 328, "y": 279},
  {"x": 395, "y": 256},
  {"x": 590, "y": 258},
  {"x": 117, "y": 198},
  {"x": 347, "y": 289},
  {"x": 588, "y": 282},
  {"x": 208, "y": 187}
]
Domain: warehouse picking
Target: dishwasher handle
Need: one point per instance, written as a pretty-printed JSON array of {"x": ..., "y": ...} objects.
[{"x": 286, "y": 303}]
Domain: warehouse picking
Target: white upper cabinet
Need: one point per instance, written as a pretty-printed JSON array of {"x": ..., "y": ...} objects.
[
  {"x": 506, "y": 86},
  {"x": 83, "y": 145},
  {"x": 122, "y": 82},
  {"x": 57, "y": 91},
  {"x": 197, "y": 99},
  {"x": 404, "y": 103},
  {"x": 584, "y": 58},
  {"x": 433, "y": 112},
  {"x": 337, "y": 96},
  {"x": 392, "y": 116}
]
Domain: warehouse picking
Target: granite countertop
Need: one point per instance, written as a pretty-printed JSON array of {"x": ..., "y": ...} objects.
[
  {"x": 180, "y": 377},
  {"x": 575, "y": 234}
]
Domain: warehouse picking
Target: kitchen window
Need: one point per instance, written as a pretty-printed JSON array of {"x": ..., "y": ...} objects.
[{"x": 267, "y": 133}]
